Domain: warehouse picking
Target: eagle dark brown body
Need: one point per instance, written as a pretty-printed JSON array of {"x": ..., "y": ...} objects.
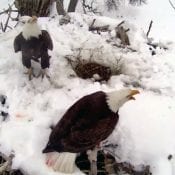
[
  {"x": 34, "y": 48},
  {"x": 88, "y": 122}
]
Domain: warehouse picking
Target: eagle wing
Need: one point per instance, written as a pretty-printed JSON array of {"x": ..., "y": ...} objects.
[
  {"x": 47, "y": 40},
  {"x": 68, "y": 120},
  {"x": 87, "y": 138},
  {"x": 17, "y": 43}
]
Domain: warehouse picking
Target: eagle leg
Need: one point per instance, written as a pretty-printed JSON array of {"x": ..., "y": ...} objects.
[
  {"x": 92, "y": 156},
  {"x": 30, "y": 73}
]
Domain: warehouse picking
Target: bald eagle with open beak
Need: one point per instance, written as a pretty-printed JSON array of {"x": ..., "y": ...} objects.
[
  {"x": 34, "y": 44},
  {"x": 84, "y": 125}
]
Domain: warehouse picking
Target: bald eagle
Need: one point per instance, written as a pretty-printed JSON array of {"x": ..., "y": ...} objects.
[
  {"x": 85, "y": 124},
  {"x": 34, "y": 44}
]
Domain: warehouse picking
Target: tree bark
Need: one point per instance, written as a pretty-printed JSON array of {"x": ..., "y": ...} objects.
[
  {"x": 72, "y": 5},
  {"x": 60, "y": 7},
  {"x": 33, "y": 7}
]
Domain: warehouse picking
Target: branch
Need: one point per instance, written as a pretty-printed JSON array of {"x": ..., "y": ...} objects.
[
  {"x": 60, "y": 8},
  {"x": 93, "y": 22},
  {"x": 150, "y": 25},
  {"x": 89, "y": 7},
  {"x": 72, "y": 5},
  {"x": 7, "y": 21},
  {"x": 8, "y": 12},
  {"x": 2, "y": 27},
  {"x": 9, "y": 9},
  {"x": 120, "y": 23},
  {"x": 172, "y": 4},
  {"x": 99, "y": 29},
  {"x": 122, "y": 35},
  {"x": 6, "y": 166}
]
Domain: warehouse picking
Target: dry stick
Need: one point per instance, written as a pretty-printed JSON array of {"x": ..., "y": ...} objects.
[
  {"x": 89, "y": 7},
  {"x": 150, "y": 25},
  {"x": 6, "y": 24},
  {"x": 6, "y": 166},
  {"x": 172, "y": 4},
  {"x": 93, "y": 22},
  {"x": 61, "y": 7},
  {"x": 16, "y": 19},
  {"x": 127, "y": 30},
  {"x": 120, "y": 23},
  {"x": 2, "y": 27},
  {"x": 6, "y": 11},
  {"x": 98, "y": 28},
  {"x": 9, "y": 9}
]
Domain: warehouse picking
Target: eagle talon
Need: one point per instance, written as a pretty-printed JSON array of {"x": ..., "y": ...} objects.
[{"x": 43, "y": 73}]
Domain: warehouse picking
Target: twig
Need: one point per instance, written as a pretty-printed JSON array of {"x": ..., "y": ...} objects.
[
  {"x": 2, "y": 27},
  {"x": 150, "y": 25},
  {"x": 8, "y": 12},
  {"x": 122, "y": 35},
  {"x": 93, "y": 22},
  {"x": 120, "y": 23},
  {"x": 127, "y": 30},
  {"x": 123, "y": 47},
  {"x": 104, "y": 28},
  {"x": 7, "y": 21},
  {"x": 89, "y": 7},
  {"x": 172, "y": 5},
  {"x": 6, "y": 166}
]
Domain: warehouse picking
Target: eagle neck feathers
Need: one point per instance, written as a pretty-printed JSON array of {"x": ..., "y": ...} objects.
[
  {"x": 114, "y": 101},
  {"x": 31, "y": 30}
]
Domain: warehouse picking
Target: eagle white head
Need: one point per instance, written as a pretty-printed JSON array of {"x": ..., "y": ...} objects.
[
  {"x": 116, "y": 99},
  {"x": 31, "y": 28}
]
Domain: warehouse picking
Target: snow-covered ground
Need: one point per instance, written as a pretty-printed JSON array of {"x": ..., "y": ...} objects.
[{"x": 145, "y": 133}]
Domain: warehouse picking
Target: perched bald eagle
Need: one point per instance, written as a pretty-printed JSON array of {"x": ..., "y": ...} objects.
[
  {"x": 85, "y": 124},
  {"x": 34, "y": 44}
]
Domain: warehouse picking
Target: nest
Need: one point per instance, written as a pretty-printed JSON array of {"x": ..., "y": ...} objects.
[{"x": 93, "y": 70}]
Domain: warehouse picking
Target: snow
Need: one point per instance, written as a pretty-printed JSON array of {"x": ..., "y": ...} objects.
[{"x": 145, "y": 132}]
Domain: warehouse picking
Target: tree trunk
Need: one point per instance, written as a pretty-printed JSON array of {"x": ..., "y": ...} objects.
[
  {"x": 72, "y": 5},
  {"x": 33, "y": 7},
  {"x": 60, "y": 7}
]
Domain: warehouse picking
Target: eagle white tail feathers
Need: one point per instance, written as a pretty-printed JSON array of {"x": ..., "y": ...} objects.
[{"x": 62, "y": 162}]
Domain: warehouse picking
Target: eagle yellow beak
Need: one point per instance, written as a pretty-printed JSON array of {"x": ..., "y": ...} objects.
[{"x": 132, "y": 93}]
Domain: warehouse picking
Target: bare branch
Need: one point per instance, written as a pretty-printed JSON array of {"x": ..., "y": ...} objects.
[
  {"x": 89, "y": 7},
  {"x": 6, "y": 166},
  {"x": 7, "y": 21},
  {"x": 72, "y": 5},
  {"x": 150, "y": 25},
  {"x": 60, "y": 7},
  {"x": 8, "y": 12},
  {"x": 120, "y": 23},
  {"x": 99, "y": 29},
  {"x": 122, "y": 35},
  {"x": 2, "y": 27},
  {"x": 172, "y": 5},
  {"x": 127, "y": 30},
  {"x": 93, "y": 22}
]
